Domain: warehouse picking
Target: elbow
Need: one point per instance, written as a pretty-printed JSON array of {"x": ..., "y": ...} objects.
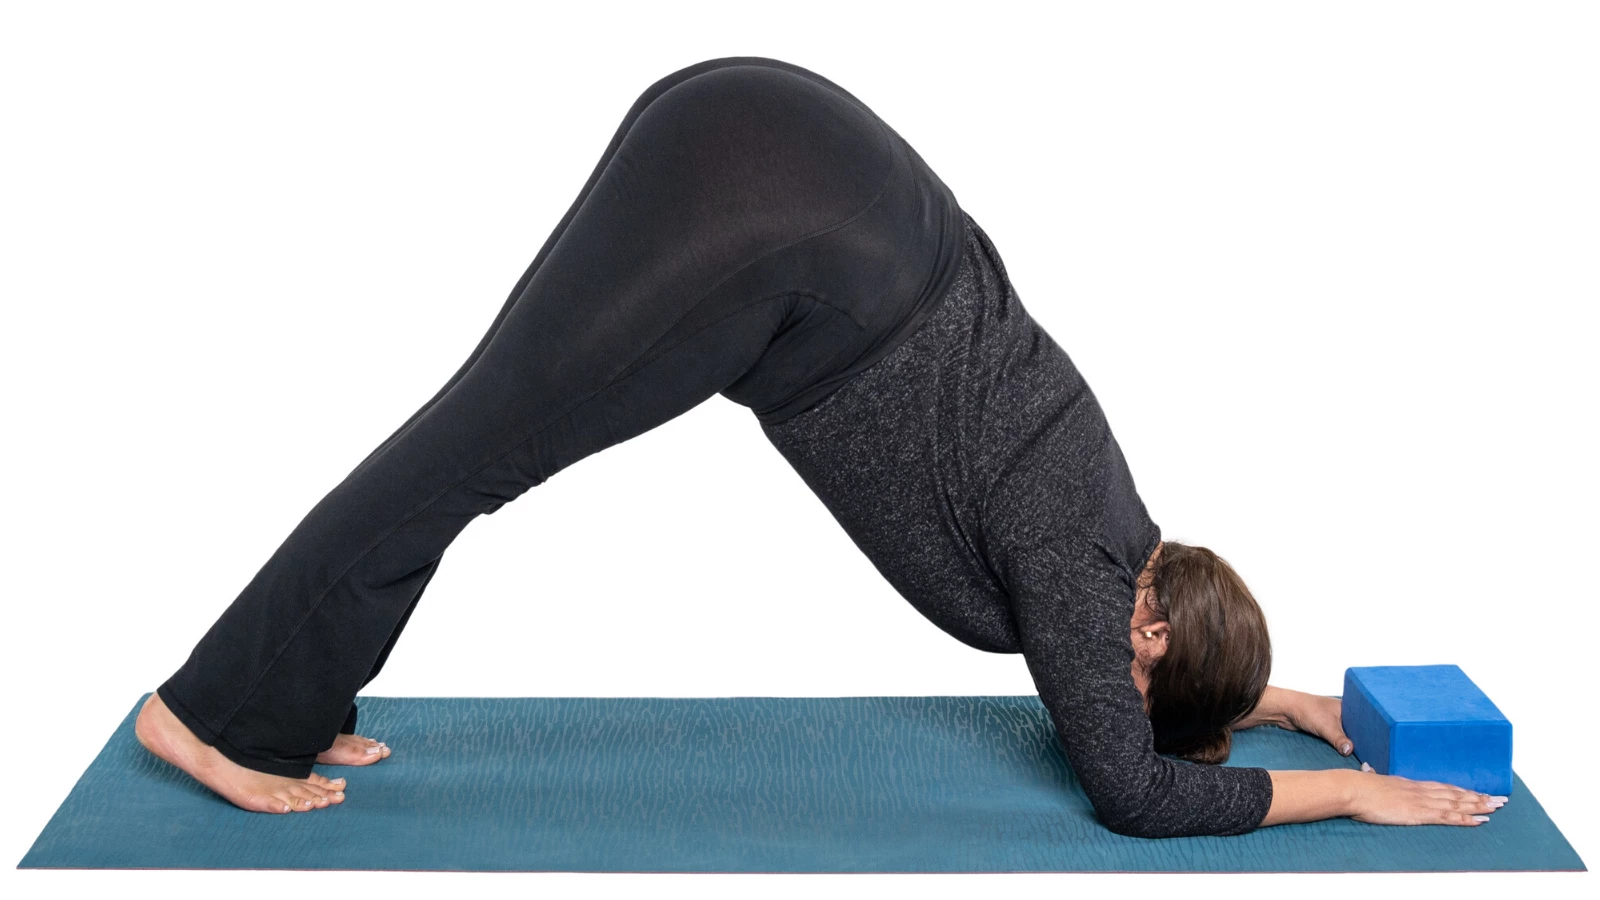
[
  {"x": 1148, "y": 818},
  {"x": 1132, "y": 825},
  {"x": 1122, "y": 828},
  {"x": 1129, "y": 815}
]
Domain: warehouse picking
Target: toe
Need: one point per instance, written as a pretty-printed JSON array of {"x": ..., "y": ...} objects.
[
  {"x": 291, "y": 802},
  {"x": 303, "y": 796},
  {"x": 271, "y": 803}
]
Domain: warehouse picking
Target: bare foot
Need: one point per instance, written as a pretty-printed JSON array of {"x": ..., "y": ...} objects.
[
  {"x": 353, "y": 750},
  {"x": 162, "y": 734}
]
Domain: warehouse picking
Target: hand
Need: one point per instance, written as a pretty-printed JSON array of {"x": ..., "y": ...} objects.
[
  {"x": 1395, "y": 800},
  {"x": 1321, "y": 716}
]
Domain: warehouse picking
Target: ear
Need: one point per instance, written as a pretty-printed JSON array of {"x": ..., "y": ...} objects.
[
  {"x": 1154, "y": 632},
  {"x": 1150, "y": 649}
]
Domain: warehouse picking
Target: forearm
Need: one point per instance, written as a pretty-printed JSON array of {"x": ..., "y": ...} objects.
[
  {"x": 1274, "y": 708},
  {"x": 1309, "y": 795}
]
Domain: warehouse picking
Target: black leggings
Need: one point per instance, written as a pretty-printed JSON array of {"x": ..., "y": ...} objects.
[{"x": 751, "y": 230}]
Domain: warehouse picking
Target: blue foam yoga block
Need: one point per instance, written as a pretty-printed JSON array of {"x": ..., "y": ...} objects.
[{"x": 1427, "y": 723}]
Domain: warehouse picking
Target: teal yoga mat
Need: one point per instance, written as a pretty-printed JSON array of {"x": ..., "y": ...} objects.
[{"x": 743, "y": 784}]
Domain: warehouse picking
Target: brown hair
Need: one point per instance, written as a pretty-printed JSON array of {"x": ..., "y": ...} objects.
[{"x": 1218, "y": 654}]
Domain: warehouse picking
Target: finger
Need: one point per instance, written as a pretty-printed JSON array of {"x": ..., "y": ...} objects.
[
  {"x": 1453, "y": 792},
  {"x": 1446, "y": 815},
  {"x": 1465, "y": 802},
  {"x": 1437, "y": 789}
]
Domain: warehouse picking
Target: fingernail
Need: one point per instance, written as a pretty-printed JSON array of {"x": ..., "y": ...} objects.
[
  {"x": 371, "y": 750},
  {"x": 1501, "y": 799},
  {"x": 1496, "y": 804},
  {"x": 1480, "y": 818},
  {"x": 339, "y": 794},
  {"x": 1345, "y": 748}
]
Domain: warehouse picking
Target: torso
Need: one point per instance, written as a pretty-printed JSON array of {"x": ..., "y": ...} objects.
[{"x": 900, "y": 457}]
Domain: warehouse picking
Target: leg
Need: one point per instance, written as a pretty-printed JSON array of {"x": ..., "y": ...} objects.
[
  {"x": 670, "y": 277},
  {"x": 517, "y": 291},
  {"x": 350, "y": 749},
  {"x": 785, "y": 368},
  {"x": 349, "y": 719}
]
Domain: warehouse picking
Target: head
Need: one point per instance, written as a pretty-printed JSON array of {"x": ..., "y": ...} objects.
[{"x": 1201, "y": 651}]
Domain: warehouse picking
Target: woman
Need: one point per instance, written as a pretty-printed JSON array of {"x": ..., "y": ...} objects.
[{"x": 756, "y": 231}]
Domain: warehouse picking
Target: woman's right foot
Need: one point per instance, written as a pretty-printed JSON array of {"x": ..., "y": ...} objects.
[{"x": 164, "y": 735}]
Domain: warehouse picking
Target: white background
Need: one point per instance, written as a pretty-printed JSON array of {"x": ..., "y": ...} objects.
[{"x": 1330, "y": 270}]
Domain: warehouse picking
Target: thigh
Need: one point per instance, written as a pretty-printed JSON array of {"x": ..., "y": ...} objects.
[
  {"x": 694, "y": 246},
  {"x": 622, "y": 132}
]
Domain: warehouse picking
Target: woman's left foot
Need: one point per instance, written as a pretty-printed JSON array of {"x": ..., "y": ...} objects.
[{"x": 353, "y": 750}]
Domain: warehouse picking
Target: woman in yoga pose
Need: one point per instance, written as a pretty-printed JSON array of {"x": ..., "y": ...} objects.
[{"x": 754, "y": 230}]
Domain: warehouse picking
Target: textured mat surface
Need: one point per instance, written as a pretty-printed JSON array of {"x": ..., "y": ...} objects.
[{"x": 748, "y": 784}]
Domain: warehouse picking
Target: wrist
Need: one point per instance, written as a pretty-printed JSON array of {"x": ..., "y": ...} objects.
[
  {"x": 1349, "y": 790},
  {"x": 1288, "y": 705},
  {"x": 1308, "y": 795},
  {"x": 1278, "y": 707}
]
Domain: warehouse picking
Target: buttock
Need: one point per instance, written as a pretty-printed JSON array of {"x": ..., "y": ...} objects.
[{"x": 849, "y": 236}]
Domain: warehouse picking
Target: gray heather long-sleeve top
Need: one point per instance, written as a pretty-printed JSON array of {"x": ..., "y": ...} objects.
[{"x": 975, "y": 469}]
